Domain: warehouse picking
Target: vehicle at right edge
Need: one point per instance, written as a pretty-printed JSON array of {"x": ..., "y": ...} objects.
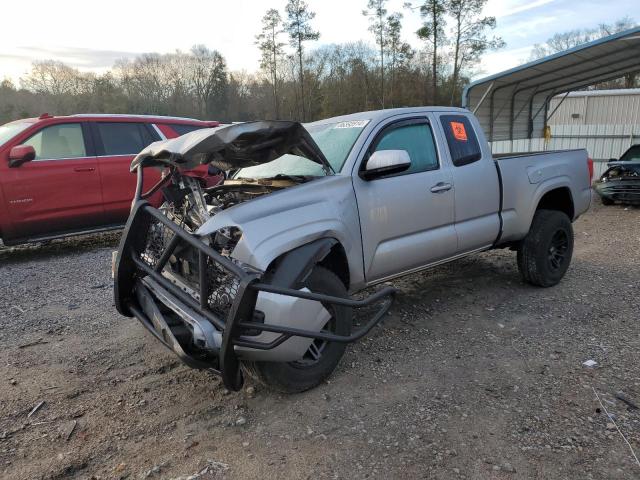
[
  {"x": 621, "y": 181},
  {"x": 261, "y": 274}
]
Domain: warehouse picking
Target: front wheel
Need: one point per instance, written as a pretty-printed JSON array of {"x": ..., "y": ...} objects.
[
  {"x": 607, "y": 201},
  {"x": 322, "y": 357},
  {"x": 545, "y": 253}
]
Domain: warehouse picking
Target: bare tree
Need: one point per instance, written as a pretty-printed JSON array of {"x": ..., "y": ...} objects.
[
  {"x": 55, "y": 78},
  {"x": 309, "y": 84},
  {"x": 398, "y": 51},
  {"x": 433, "y": 32},
  {"x": 572, "y": 38},
  {"x": 377, "y": 12},
  {"x": 469, "y": 36},
  {"x": 272, "y": 50},
  {"x": 299, "y": 29},
  {"x": 207, "y": 79}
]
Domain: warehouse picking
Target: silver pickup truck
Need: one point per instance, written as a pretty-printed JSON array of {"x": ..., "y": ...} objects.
[{"x": 264, "y": 273}]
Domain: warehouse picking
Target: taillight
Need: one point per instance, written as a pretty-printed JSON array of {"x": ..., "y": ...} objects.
[{"x": 590, "y": 165}]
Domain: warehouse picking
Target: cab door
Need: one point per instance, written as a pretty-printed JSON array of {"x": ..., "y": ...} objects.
[
  {"x": 477, "y": 196},
  {"x": 58, "y": 191},
  {"x": 117, "y": 143},
  {"x": 407, "y": 219}
]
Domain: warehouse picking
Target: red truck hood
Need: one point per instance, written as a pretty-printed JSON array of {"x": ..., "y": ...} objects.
[{"x": 232, "y": 147}]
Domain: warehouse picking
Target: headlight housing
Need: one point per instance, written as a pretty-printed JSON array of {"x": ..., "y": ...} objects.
[{"x": 225, "y": 239}]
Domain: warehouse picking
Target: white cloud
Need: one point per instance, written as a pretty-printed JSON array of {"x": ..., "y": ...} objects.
[
  {"x": 495, "y": 62},
  {"x": 91, "y": 35},
  {"x": 506, "y": 8}
]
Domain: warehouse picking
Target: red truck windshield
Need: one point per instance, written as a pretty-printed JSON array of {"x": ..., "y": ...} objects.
[{"x": 10, "y": 130}]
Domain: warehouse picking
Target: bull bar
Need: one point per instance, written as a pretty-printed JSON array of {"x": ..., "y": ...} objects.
[{"x": 135, "y": 281}]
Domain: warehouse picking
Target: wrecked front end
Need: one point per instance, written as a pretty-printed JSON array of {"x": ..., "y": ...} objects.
[
  {"x": 189, "y": 291},
  {"x": 620, "y": 183}
]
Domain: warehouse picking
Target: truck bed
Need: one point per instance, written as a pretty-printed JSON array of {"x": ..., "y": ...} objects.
[{"x": 544, "y": 171}]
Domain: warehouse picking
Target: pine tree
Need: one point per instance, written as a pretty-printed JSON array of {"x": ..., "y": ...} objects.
[
  {"x": 299, "y": 29},
  {"x": 272, "y": 51}
]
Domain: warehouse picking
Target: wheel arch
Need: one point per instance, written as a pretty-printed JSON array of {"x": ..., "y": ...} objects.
[
  {"x": 291, "y": 268},
  {"x": 560, "y": 199}
]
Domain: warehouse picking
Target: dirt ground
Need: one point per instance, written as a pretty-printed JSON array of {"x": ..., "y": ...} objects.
[{"x": 473, "y": 375}]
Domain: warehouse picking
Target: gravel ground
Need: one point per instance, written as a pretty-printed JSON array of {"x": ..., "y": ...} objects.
[{"x": 473, "y": 375}]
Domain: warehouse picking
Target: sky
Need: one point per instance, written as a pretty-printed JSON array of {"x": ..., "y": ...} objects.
[{"x": 91, "y": 35}]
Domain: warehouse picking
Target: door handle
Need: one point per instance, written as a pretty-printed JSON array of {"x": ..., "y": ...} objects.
[
  {"x": 84, "y": 169},
  {"x": 441, "y": 187}
]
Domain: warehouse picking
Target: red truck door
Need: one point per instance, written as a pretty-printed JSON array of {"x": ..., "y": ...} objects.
[
  {"x": 60, "y": 190},
  {"x": 117, "y": 143}
]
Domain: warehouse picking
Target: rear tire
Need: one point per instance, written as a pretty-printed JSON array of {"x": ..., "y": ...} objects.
[
  {"x": 298, "y": 376},
  {"x": 545, "y": 253}
]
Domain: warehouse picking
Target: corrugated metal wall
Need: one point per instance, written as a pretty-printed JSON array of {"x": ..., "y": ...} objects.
[
  {"x": 607, "y": 107},
  {"x": 603, "y": 142},
  {"x": 605, "y": 122}
]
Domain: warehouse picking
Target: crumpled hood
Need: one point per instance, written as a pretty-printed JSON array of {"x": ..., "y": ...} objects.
[
  {"x": 280, "y": 221},
  {"x": 624, "y": 163},
  {"x": 232, "y": 147}
]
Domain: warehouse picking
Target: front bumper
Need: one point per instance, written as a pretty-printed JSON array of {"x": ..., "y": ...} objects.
[
  {"x": 184, "y": 321},
  {"x": 624, "y": 191}
]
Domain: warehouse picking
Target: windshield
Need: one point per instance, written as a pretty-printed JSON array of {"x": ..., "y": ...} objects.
[
  {"x": 632, "y": 154},
  {"x": 334, "y": 139},
  {"x": 10, "y": 130}
]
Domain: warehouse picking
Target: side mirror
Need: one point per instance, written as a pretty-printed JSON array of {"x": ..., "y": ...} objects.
[
  {"x": 386, "y": 162},
  {"x": 21, "y": 154}
]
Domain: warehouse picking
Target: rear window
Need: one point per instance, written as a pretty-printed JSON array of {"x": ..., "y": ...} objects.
[
  {"x": 462, "y": 140},
  {"x": 181, "y": 129},
  {"x": 122, "y": 138}
]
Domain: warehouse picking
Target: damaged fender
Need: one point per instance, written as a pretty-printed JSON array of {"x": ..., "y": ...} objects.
[{"x": 291, "y": 270}]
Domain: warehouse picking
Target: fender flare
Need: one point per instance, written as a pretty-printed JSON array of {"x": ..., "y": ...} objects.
[{"x": 293, "y": 267}]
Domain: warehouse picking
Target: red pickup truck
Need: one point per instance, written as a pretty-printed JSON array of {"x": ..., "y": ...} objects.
[{"x": 61, "y": 176}]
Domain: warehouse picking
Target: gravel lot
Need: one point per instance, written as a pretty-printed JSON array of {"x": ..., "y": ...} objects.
[{"x": 473, "y": 375}]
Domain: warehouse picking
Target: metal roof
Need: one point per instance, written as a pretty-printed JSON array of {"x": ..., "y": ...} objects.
[
  {"x": 514, "y": 104},
  {"x": 602, "y": 93}
]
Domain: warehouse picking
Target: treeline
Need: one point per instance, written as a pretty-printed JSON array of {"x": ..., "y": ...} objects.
[
  {"x": 293, "y": 82},
  {"x": 573, "y": 38}
]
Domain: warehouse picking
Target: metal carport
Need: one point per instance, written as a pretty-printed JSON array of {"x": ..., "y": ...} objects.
[{"x": 514, "y": 104}]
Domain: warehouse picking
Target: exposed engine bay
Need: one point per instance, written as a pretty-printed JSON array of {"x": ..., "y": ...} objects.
[
  {"x": 631, "y": 171},
  {"x": 188, "y": 204},
  {"x": 620, "y": 183}
]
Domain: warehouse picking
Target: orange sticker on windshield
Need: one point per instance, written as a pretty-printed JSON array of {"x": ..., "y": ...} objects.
[{"x": 459, "y": 131}]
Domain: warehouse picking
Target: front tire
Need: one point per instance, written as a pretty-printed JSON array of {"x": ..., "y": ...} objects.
[
  {"x": 545, "y": 253},
  {"x": 322, "y": 357},
  {"x": 607, "y": 201}
]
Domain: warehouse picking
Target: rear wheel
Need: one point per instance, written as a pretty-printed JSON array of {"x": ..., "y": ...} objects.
[
  {"x": 545, "y": 253},
  {"x": 322, "y": 357}
]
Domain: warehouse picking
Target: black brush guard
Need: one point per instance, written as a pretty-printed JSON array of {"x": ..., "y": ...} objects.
[{"x": 130, "y": 270}]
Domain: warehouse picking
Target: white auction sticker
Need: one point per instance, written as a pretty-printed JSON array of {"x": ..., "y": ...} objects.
[{"x": 352, "y": 124}]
